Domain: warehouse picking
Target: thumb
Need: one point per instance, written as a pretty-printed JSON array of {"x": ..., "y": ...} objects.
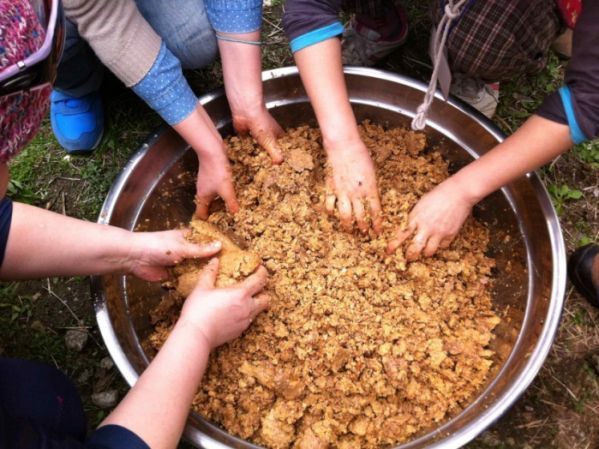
[
  {"x": 194, "y": 250},
  {"x": 208, "y": 275}
]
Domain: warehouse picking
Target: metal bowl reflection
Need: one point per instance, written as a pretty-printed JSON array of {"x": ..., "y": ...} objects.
[{"x": 526, "y": 241}]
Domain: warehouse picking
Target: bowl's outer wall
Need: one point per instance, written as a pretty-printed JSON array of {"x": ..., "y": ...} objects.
[{"x": 525, "y": 239}]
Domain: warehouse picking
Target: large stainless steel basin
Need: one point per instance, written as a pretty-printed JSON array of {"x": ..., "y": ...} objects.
[{"x": 526, "y": 240}]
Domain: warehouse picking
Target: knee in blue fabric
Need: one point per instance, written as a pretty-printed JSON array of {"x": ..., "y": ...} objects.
[
  {"x": 195, "y": 51},
  {"x": 184, "y": 27}
]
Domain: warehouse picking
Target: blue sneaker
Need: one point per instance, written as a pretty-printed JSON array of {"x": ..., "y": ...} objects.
[{"x": 78, "y": 123}]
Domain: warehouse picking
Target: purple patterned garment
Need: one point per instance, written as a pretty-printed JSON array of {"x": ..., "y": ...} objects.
[{"x": 20, "y": 114}]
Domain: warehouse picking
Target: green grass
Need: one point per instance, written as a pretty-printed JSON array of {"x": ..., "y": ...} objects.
[{"x": 588, "y": 153}]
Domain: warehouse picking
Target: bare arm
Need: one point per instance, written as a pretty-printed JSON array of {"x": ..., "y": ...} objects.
[
  {"x": 214, "y": 173},
  {"x": 157, "y": 406},
  {"x": 353, "y": 183},
  {"x": 43, "y": 243},
  {"x": 534, "y": 144},
  {"x": 439, "y": 215},
  {"x": 243, "y": 84}
]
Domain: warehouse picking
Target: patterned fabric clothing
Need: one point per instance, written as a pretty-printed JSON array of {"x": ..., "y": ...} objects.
[
  {"x": 20, "y": 114},
  {"x": 493, "y": 40}
]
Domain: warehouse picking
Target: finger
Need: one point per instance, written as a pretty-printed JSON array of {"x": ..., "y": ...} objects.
[
  {"x": 359, "y": 213},
  {"x": 445, "y": 242},
  {"x": 193, "y": 250},
  {"x": 203, "y": 205},
  {"x": 268, "y": 141},
  {"x": 256, "y": 282},
  {"x": 344, "y": 206},
  {"x": 330, "y": 198},
  {"x": 375, "y": 213},
  {"x": 400, "y": 238},
  {"x": 227, "y": 193},
  {"x": 277, "y": 129},
  {"x": 208, "y": 275},
  {"x": 260, "y": 303},
  {"x": 432, "y": 245},
  {"x": 418, "y": 244}
]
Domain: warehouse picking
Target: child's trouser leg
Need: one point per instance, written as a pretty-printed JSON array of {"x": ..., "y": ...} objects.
[{"x": 80, "y": 72}]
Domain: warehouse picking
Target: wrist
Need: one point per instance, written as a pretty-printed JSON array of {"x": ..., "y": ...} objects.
[
  {"x": 466, "y": 188},
  {"x": 339, "y": 144},
  {"x": 211, "y": 153},
  {"x": 132, "y": 251},
  {"x": 119, "y": 255},
  {"x": 247, "y": 107},
  {"x": 193, "y": 331}
]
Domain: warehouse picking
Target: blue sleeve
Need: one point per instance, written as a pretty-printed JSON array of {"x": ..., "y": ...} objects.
[
  {"x": 575, "y": 132},
  {"x": 115, "y": 437},
  {"x": 308, "y": 22},
  {"x": 235, "y": 16},
  {"x": 20, "y": 433},
  {"x": 577, "y": 102},
  {"x": 166, "y": 90},
  {"x": 5, "y": 220}
]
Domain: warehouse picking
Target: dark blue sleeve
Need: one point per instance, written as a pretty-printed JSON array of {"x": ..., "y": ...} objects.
[
  {"x": 5, "y": 220},
  {"x": 308, "y": 22},
  {"x": 115, "y": 437},
  {"x": 19, "y": 433},
  {"x": 577, "y": 102}
]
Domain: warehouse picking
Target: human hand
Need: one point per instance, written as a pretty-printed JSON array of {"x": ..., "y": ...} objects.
[
  {"x": 352, "y": 186},
  {"x": 222, "y": 314},
  {"x": 262, "y": 127},
  {"x": 214, "y": 178},
  {"x": 434, "y": 221},
  {"x": 151, "y": 252}
]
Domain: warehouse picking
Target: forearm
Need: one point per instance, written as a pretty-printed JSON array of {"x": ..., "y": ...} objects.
[
  {"x": 534, "y": 144},
  {"x": 322, "y": 75},
  {"x": 199, "y": 131},
  {"x": 157, "y": 406},
  {"x": 43, "y": 243},
  {"x": 242, "y": 71}
]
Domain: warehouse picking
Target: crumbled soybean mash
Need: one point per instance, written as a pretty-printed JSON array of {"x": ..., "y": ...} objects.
[{"x": 358, "y": 349}]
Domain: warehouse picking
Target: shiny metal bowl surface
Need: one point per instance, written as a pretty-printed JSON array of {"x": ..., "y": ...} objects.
[{"x": 153, "y": 193}]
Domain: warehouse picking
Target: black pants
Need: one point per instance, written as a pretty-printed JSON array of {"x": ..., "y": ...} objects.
[{"x": 39, "y": 407}]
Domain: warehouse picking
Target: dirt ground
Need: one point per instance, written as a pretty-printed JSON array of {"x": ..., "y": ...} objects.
[{"x": 559, "y": 410}]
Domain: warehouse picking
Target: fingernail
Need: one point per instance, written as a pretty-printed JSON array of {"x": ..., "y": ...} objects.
[{"x": 215, "y": 244}]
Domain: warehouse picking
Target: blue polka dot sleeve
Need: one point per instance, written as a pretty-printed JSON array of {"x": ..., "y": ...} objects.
[
  {"x": 234, "y": 16},
  {"x": 166, "y": 90}
]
